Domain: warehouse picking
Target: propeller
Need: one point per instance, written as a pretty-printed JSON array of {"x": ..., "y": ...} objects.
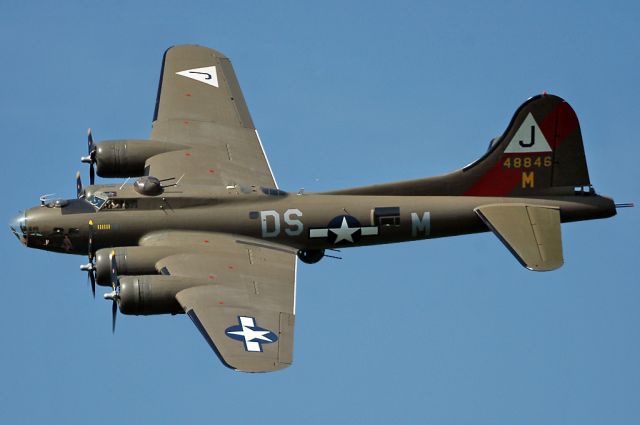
[
  {"x": 90, "y": 267},
  {"x": 79, "y": 191},
  {"x": 115, "y": 294},
  {"x": 91, "y": 157}
]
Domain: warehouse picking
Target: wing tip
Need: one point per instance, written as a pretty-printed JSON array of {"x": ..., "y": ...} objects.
[
  {"x": 194, "y": 318},
  {"x": 217, "y": 53}
]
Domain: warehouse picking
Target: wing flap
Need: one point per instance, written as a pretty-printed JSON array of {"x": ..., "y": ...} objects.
[{"x": 531, "y": 233}]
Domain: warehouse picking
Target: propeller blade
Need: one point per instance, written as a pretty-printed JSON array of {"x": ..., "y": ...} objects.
[
  {"x": 91, "y": 157},
  {"x": 92, "y": 277},
  {"x": 115, "y": 282},
  {"x": 90, "y": 267},
  {"x": 90, "y": 144},
  {"x": 79, "y": 192},
  {"x": 115, "y": 295},
  {"x": 114, "y": 314}
]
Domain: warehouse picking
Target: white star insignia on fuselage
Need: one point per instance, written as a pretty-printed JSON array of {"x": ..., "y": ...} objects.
[{"x": 344, "y": 232}]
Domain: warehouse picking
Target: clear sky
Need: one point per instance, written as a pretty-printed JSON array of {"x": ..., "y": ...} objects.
[{"x": 449, "y": 331}]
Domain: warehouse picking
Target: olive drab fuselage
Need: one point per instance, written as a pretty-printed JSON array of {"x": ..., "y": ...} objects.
[{"x": 302, "y": 221}]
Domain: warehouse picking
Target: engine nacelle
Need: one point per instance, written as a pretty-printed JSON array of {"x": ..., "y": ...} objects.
[
  {"x": 310, "y": 256},
  {"x": 126, "y": 158},
  {"x": 131, "y": 260},
  {"x": 145, "y": 295}
]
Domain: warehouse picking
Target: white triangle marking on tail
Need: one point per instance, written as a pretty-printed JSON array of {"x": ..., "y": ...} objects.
[
  {"x": 207, "y": 75},
  {"x": 528, "y": 138}
]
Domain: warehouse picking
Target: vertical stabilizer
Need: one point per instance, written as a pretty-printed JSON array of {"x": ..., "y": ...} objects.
[{"x": 541, "y": 152}]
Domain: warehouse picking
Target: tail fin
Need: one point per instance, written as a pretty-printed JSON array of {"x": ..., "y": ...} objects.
[
  {"x": 541, "y": 149},
  {"x": 541, "y": 152}
]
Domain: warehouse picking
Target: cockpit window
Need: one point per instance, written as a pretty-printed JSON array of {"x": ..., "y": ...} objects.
[
  {"x": 273, "y": 192},
  {"x": 107, "y": 201}
]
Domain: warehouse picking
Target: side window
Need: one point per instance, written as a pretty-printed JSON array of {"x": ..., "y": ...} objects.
[
  {"x": 386, "y": 216},
  {"x": 122, "y": 204}
]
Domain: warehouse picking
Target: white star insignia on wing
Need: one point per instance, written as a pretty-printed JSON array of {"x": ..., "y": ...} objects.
[{"x": 250, "y": 335}]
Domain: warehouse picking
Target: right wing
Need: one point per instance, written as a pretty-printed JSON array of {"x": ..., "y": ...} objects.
[
  {"x": 200, "y": 105},
  {"x": 531, "y": 233},
  {"x": 243, "y": 298},
  {"x": 246, "y": 337}
]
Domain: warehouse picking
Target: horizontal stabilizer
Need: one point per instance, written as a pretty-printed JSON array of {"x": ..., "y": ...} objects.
[{"x": 532, "y": 233}]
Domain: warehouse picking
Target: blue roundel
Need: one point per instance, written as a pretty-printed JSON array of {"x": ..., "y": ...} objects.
[
  {"x": 337, "y": 221},
  {"x": 250, "y": 334},
  {"x": 344, "y": 228}
]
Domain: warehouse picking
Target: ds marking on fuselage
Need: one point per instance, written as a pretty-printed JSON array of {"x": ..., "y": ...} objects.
[{"x": 270, "y": 222}]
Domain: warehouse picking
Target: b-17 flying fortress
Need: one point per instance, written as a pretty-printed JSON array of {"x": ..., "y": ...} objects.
[{"x": 205, "y": 230}]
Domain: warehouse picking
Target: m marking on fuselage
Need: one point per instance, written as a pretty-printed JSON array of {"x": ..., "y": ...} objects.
[{"x": 420, "y": 226}]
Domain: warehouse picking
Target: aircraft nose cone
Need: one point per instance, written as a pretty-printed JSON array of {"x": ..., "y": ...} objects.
[{"x": 18, "y": 226}]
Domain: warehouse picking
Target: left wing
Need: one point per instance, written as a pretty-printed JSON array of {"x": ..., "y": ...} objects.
[
  {"x": 245, "y": 306},
  {"x": 200, "y": 105}
]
